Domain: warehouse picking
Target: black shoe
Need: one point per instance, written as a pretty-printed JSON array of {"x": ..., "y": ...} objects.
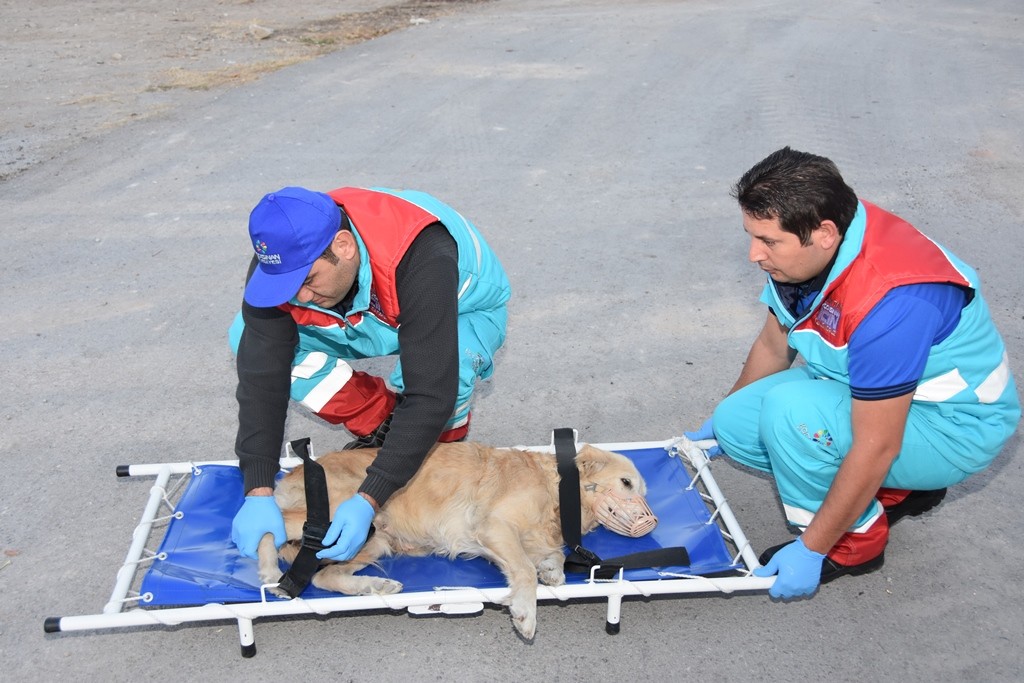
[
  {"x": 830, "y": 569},
  {"x": 368, "y": 441},
  {"x": 374, "y": 439},
  {"x": 918, "y": 502}
]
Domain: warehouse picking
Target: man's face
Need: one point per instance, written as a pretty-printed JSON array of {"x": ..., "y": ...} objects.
[
  {"x": 780, "y": 254},
  {"x": 328, "y": 283}
]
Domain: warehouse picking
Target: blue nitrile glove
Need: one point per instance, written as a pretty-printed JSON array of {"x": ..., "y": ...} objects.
[
  {"x": 705, "y": 433},
  {"x": 348, "y": 531},
  {"x": 258, "y": 515},
  {"x": 799, "y": 570}
]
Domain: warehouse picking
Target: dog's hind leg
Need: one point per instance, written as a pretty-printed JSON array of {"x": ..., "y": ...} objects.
[
  {"x": 339, "y": 577},
  {"x": 504, "y": 548}
]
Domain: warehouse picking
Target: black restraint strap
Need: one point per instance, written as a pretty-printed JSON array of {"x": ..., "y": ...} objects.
[
  {"x": 318, "y": 521},
  {"x": 569, "y": 498},
  {"x": 579, "y": 558}
]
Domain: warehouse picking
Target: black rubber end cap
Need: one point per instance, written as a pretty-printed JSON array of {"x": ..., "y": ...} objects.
[{"x": 51, "y": 625}]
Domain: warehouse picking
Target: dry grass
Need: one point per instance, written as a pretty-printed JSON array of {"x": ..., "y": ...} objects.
[
  {"x": 229, "y": 75},
  {"x": 294, "y": 44}
]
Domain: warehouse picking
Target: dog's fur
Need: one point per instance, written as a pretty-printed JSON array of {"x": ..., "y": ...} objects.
[{"x": 466, "y": 500}]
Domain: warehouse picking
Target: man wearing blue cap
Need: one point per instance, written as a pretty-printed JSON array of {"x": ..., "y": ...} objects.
[{"x": 359, "y": 273}]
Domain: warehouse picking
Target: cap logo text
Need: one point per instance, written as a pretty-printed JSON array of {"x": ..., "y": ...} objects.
[{"x": 263, "y": 256}]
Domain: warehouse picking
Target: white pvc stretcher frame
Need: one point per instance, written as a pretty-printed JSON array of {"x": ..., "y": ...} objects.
[{"x": 438, "y": 601}]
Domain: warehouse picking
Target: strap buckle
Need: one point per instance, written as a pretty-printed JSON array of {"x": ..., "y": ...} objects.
[
  {"x": 587, "y": 555},
  {"x": 313, "y": 535}
]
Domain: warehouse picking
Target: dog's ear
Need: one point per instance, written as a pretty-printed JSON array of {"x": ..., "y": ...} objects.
[{"x": 591, "y": 460}]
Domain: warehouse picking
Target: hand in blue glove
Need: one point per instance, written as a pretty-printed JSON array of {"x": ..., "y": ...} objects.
[
  {"x": 258, "y": 515},
  {"x": 348, "y": 531},
  {"x": 705, "y": 433},
  {"x": 799, "y": 570}
]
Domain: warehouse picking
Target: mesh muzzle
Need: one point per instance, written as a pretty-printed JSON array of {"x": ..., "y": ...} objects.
[{"x": 625, "y": 516}]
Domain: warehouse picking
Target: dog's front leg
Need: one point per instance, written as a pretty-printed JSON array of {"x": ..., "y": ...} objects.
[
  {"x": 266, "y": 553},
  {"x": 504, "y": 548}
]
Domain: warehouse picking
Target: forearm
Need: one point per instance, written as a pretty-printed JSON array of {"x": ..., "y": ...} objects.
[
  {"x": 261, "y": 491},
  {"x": 418, "y": 421},
  {"x": 854, "y": 487},
  {"x": 770, "y": 353},
  {"x": 428, "y": 334},
  {"x": 369, "y": 499}
]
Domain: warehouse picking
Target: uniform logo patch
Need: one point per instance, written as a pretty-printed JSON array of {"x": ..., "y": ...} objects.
[
  {"x": 823, "y": 437},
  {"x": 820, "y": 437},
  {"x": 827, "y": 317}
]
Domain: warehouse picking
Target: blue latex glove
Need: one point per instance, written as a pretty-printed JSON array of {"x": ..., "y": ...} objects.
[
  {"x": 703, "y": 433},
  {"x": 349, "y": 529},
  {"x": 799, "y": 570},
  {"x": 257, "y": 516}
]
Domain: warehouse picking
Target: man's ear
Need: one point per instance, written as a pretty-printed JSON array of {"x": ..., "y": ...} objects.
[
  {"x": 345, "y": 245},
  {"x": 828, "y": 234}
]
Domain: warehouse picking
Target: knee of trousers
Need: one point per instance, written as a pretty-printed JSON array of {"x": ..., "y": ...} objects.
[
  {"x": 805, "y": 432},
  {"x": 810, "y": 418},
  {"x": 481, "y": 334},
  {"x": 736, "y": 430}
]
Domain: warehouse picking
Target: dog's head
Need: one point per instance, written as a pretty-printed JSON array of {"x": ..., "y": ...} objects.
[{"x": 612, "y": 491}]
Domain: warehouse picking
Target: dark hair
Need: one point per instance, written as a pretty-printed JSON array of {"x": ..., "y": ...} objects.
[
  {"x": 329, "y": 256},
  {"x": 799, "y": 189},
  {"x": 345, "y": 225}
]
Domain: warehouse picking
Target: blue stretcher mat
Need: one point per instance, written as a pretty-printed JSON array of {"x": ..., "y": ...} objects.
[{"x": 203, "y": 566}]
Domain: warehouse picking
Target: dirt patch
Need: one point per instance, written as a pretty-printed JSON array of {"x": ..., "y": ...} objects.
[{"x": 74, "y": 70}]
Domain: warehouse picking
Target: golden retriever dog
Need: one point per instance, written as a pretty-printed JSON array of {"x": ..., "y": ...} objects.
[{"x": 466, "y": 500}]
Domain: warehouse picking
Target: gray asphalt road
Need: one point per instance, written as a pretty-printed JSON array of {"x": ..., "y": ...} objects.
[{"x": 594, "y": 142}]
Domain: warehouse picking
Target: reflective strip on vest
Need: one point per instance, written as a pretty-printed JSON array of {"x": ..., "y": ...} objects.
[
  {"x": 948, "y": 385},
  {"x": 995, "y": 384}
]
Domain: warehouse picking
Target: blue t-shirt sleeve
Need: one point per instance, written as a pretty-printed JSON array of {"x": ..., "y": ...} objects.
[{"x": 889, "y": 349}]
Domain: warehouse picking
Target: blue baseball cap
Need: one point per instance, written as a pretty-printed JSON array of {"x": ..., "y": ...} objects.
[{"x": 289, "y": 229}]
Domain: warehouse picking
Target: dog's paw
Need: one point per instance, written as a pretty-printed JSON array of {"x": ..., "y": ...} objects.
[
  {"x": 279, "y": 592},
  {"x": 525, "y": 624},
  {"x": 550, "y": 572},
  {"x": 268, "y": 570},
  {"x": 524, "y": 616},
  {"x": 289, "y": 551},
  {"x": 270, "y": 576},
  {"x": 379, "y": 586}
]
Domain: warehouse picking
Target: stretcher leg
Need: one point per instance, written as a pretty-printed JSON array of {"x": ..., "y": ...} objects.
[
  {"x": 246, "y": 637},
  {"x": 611, "y": 626}
]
